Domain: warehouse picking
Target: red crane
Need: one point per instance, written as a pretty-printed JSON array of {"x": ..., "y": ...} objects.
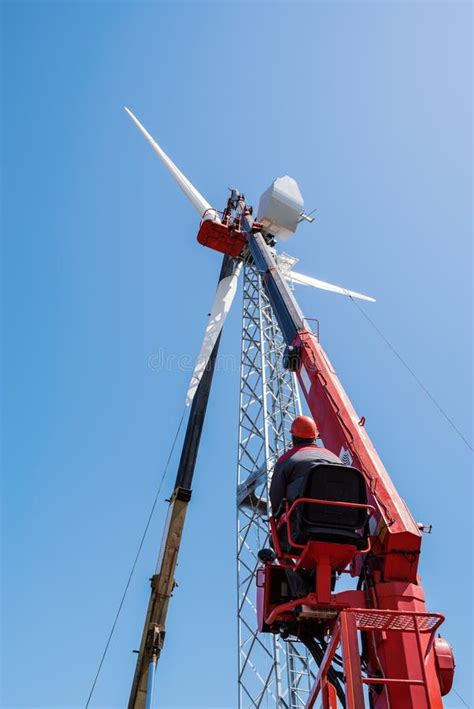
[{"x": 386, "y": 634}]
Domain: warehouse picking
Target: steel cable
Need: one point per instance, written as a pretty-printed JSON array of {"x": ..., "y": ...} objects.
[
  {"x": 415, "y": 377},
  {"x": 132, "y": 570},
  {"x": 458, "y": 695}
]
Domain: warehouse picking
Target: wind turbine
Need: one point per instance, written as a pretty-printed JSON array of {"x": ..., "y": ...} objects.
[
  {"x": 278, "y": 351},
  {"x": 227, "y": 286},
  {"x": 280, "y": 211}
]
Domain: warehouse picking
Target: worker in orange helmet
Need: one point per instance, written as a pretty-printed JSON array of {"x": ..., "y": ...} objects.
[
  {"x": 292, "y": 467},
  {"x": 287, "y": 481}
]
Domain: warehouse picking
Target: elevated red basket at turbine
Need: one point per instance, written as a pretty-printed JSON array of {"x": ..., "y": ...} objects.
[{"x": 221, "y": 236}]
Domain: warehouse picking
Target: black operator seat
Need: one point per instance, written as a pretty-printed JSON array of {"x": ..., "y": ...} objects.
[{"x": 327, "y": 523}]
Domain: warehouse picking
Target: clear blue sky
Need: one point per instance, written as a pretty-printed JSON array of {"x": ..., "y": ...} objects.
[{"x": 368, "y": 105}]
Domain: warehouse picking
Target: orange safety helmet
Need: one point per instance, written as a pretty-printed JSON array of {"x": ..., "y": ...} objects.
[{"x": 304, "y": 427}]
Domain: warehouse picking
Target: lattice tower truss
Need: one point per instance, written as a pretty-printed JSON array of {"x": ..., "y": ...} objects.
[{"x": 272, "y": 672}]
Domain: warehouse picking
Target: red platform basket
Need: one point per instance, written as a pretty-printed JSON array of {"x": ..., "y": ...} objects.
[{"x": 222, "y": 236}]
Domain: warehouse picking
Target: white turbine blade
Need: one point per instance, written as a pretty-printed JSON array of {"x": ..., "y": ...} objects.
[
  {"x": 195, "y": 197},
  {"x": 316, "y": 283},
  {"x": 225, "y": 293}
]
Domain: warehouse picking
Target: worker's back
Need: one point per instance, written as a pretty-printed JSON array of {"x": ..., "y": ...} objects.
[{"x": 291, "y": 469}]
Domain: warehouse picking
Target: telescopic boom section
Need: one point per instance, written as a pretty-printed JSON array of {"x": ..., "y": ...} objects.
[{"x": 162, "y": 582}]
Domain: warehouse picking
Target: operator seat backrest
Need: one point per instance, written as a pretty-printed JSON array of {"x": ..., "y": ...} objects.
[{"x": 338, "y": 483}]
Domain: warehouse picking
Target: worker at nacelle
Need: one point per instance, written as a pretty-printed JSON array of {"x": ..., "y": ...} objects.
[{"x": 292, "y": 467}]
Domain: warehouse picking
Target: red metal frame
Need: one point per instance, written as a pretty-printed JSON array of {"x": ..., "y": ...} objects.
[
  {"x": 320, "y": 555},
  {"x": 284, "y": 519},
  {"x": 369, "y": 620}
]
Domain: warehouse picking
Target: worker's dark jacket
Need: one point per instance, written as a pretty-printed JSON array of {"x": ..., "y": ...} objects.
[{"x": 291, "y": 468}]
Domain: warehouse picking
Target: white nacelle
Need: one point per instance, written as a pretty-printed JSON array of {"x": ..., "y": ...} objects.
[{"x": 280, "y": 207}]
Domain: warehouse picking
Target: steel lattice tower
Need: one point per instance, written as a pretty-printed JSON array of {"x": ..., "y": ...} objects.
[{"x": 271, "y": 672}]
